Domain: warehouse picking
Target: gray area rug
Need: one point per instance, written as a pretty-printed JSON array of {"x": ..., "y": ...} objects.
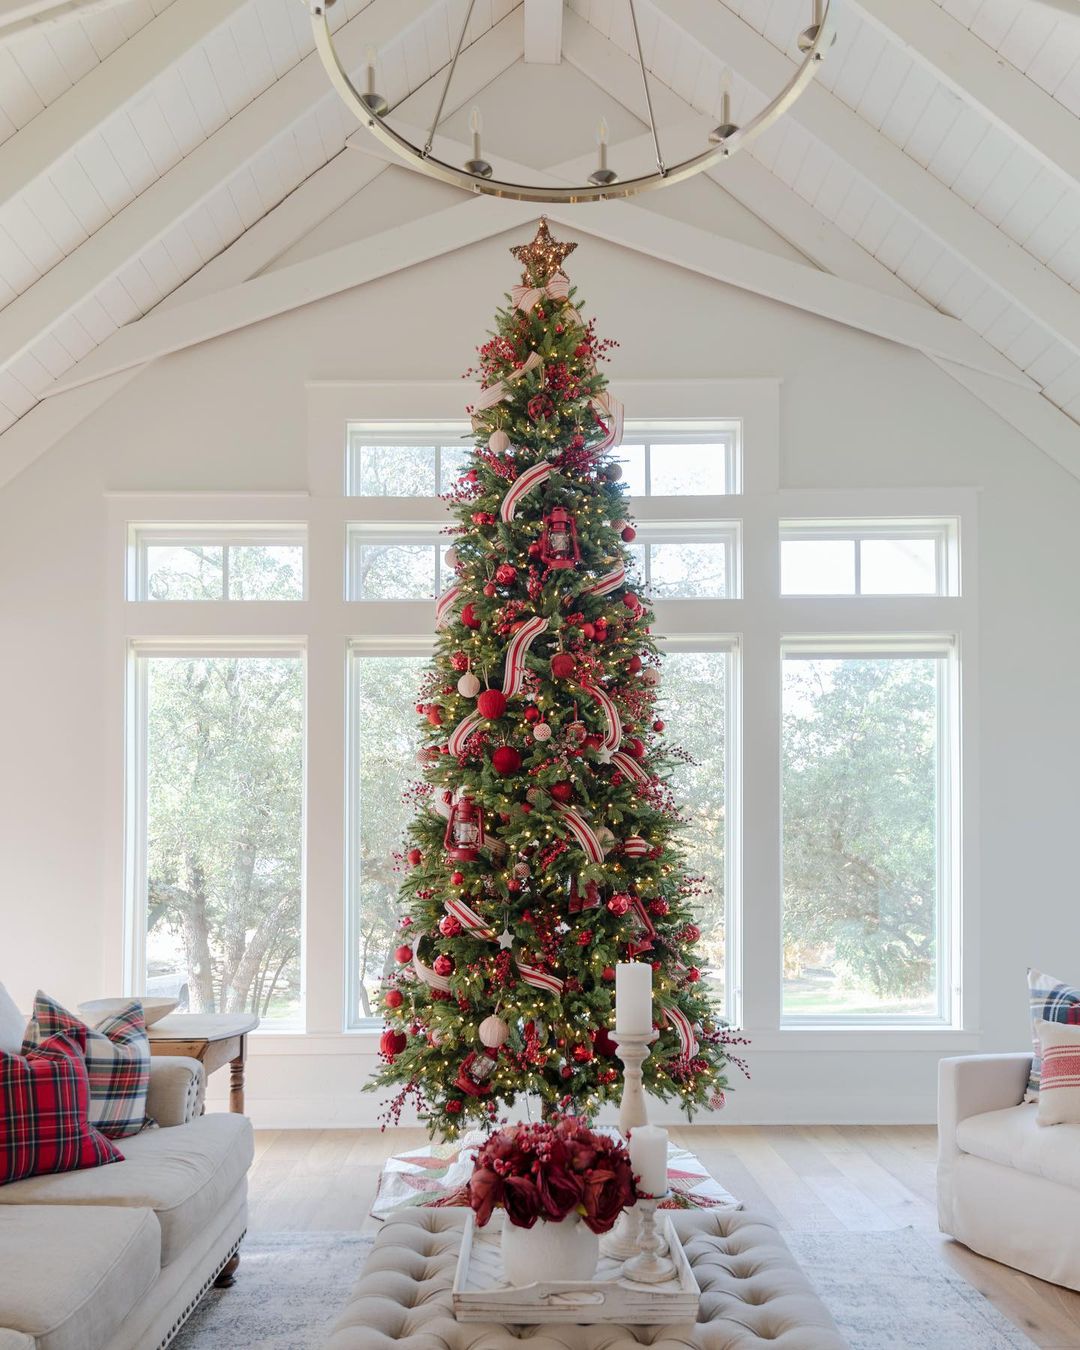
[
  {"x": 887, "y": 1291},
  {"x": 893, "y": 1291}
]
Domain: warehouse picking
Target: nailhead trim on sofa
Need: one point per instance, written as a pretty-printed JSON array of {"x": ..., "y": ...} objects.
[{"x": 171, "y": 1334}]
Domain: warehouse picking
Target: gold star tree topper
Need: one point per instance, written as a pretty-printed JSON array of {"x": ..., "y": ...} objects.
[{"x": 543, "y": 257}]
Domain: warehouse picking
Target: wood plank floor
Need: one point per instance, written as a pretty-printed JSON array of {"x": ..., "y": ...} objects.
[{"x": 821, "y": 1178}]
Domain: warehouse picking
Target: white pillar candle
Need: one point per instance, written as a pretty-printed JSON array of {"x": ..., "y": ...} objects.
[
  {"x": 648, "y": 1158},
  {"x": 633, "y": 998}
]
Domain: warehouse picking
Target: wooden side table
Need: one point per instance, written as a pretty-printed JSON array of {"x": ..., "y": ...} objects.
[{"x": 214, "y": 1039}]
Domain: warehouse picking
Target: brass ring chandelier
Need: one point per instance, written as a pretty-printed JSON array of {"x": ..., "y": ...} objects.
[{"x": 477, "y": 175}]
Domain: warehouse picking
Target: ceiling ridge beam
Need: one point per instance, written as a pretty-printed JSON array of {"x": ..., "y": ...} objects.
[
  {"x": 543, "y": 31},
  {"x": 1033, "y": 118},
  {"x": 79, "y": 112},
  {"x": 912, "y": 190},
  {"x": 192, "y": 180}
]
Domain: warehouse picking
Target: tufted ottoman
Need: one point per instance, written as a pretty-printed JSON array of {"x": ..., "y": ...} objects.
[{"x": 752, "y": 1294}]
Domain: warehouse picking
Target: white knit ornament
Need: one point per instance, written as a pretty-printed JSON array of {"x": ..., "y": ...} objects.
[
  {"x": 498, "y": 442},
  {"x": 451, "y": 557},
  {"x": 651, "y": 675},
  {"x": 613, "y": 472},
  {"x": 493, "y": 1032},
  {"x": 618, "y": 525},
  {"x": 541, "y": 732},
  {"x": 606, "y": 838},
  {"x": 468, "y": 686}
]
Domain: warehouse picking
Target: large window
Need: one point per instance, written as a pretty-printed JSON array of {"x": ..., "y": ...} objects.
[
  {"x": 219, "y": 824},
  {"x": 867, "y": 754}
]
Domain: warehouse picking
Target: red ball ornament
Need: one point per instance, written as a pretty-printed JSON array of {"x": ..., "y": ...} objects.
[
  {"x": 392, "y": 1043},
  {"x": 582, "y": 1054},
  {"x": 619, "y": 904},
  {"x": 532, "y": 714},
  {"x": 534, "y": 550},
  {"x": 634, "y": 664},
  {"x": 468, "y": 617},
  {"x": 489, "y": 589},
  {"x": 491, "y": 704},
  {"x": 434, "y": 716},
  {"x": 658, "y": 725},
  {"x": 513, "y": 885},
  {"x": 442, "y": 965},
  {"x": 403, "y": 955},
  {"x": 562, "y": 792},
  {"x": 566, "y": 1071},
  {"x": 629, "y": 535},
  {"x": 588, "y": 630},
  {"x": 635, "y": 747},
  {"x": 691, "y": 933},
  {"x": 659, "y": 908},
  {"x": 394, "y": 998},
  {"x": 505, "y": 574},
  {"x": 608, "y": 974},
  {"x": 449, "y": 927},
  {"x": 415, "y": 857},
  {"x": 506, "y": 760},
  {"x": 456, "y": 878},
  {"x": 630, "y": 600},
  {"x": 693, "y": 975},
  {"x": 453, "y": 1107},
  {"x": 562, "y": 666},
  {"x": 603, "y": 1044}
]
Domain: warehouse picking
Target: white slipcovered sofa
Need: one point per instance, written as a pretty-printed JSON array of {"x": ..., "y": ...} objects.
[
  {"x": 1008, "y": 1187},
  {"x": 116, "y": 1257}
]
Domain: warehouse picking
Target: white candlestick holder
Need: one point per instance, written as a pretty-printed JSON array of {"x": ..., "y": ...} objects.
[
  {"x": 649, "y": 1266},
  {"x": 624, "y": 1240}
]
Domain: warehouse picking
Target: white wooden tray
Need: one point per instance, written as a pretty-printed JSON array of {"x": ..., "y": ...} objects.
[{"x": 481, "y": 1293}]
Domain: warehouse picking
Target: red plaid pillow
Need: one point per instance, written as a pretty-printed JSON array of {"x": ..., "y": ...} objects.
[{"x": 44, "y": 1101}]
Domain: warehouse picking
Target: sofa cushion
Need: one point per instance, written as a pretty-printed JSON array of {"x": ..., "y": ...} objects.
[
  {"x": 1013, "y": 1138},
  {"x": 12, "y": 1024},
  {"x": 1050, "y": 1000},
  {"x": 117, "y": 1061},
  {"x": 184, "y": 1174},
  {"x": 72, "y": 1275}
]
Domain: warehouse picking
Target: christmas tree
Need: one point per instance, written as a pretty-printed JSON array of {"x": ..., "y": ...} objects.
[{"x": 545, "y": 848}]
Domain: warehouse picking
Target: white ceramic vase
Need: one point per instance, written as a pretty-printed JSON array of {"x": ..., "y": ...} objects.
[{"x": 549, "y": 1251}]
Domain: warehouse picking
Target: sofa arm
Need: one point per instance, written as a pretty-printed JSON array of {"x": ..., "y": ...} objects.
[
  {"x": 972, "y": 1084},
  {"x": 177, "y": 1088}
]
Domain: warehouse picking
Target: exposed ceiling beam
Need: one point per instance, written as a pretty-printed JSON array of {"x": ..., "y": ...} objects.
[
  {"x": 191, "y": 181},
  {"x": 648, "y": 232},
  {"x": 62, "y": 126},
  {"x": 914, "y": 191},
  {"x": 543, "y": 31},
  {"x": 983, "y": 79},
  {"x": 20, "y": 16}
]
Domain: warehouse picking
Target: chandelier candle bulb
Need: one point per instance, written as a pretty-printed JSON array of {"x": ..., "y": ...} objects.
[
  {"x": 371, "y": 58},
  {"x": 633, "y": 998},
  {"x": 476, "y": 125},
  {"x": 602, "y": 141},
  {"x": 648, "y": 1157}
]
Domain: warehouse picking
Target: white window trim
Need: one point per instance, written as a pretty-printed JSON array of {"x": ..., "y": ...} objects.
[
  {"x": 210, "y": 534},
  {"x": 944, "y": 532}
]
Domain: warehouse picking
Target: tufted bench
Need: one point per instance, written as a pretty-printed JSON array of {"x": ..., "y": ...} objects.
[{"x": 752, "y": 1294}]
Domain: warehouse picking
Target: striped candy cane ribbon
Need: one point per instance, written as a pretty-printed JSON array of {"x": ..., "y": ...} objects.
[
  {"x": 526, "y": 298},
  {"x": 469, "y": 919},
  {"x": 613, "y": 730},
  {"x": 522, "y": 486},
  {"x": 487, "y": 398},
  {"x": 462, "y": 732},
  {"x": 539, "y": 979},
  {"x": 583, "y": 833},
  {"x": 611, "y": 411},
  {"x": 629, "y": 766},
  {"x": 686, "y": 1032},
  {"x": 444, "y": 605},
  {"x": 440, "y": 982},
  {"x": 514, "y": 674},
  {"x": 610, "y": 581}
]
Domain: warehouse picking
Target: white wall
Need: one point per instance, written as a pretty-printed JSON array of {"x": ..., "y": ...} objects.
[{"x": 231, "y": 415}]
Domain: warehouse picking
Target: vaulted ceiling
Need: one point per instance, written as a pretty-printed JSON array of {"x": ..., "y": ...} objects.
[{"x": 160, "y": 159}]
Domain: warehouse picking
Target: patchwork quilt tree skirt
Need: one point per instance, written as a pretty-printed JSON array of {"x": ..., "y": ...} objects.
[{"x": 436, "y": 1176}]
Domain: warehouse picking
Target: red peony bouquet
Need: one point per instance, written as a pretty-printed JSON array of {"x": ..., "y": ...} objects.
[{"x": 550, "y": 1171}]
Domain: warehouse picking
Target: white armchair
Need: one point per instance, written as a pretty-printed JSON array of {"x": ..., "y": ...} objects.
[{"x": 1008, "y": 1188}]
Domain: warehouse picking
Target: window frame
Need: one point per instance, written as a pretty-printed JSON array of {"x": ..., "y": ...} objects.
[
  {"x": 944, "y": 531},
  {"x": 212, "y": 534}
]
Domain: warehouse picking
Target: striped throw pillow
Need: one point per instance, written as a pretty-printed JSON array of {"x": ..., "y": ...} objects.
[
  {"x": 1059, "y": 1088},
  {"x": 1051, "y": 1001},
  {"x": 117, "y": 1061},
  {"x": 44, "y": 1100}
]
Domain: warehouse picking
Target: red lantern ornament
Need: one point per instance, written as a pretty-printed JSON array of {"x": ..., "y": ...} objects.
[
  {"x": 506, "y": 760},
  {"x": 563, "y": 666},
  {"x": 464, "y": 830},
  {"x": 559, "y": 542},
  {"x": 491, "y": 704},
  {"x": 468, "y": 617}
]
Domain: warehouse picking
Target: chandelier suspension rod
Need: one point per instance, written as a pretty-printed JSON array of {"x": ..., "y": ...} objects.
[
  {"x": 645, "y": 85},
  {"x": 449, "y": 76}
]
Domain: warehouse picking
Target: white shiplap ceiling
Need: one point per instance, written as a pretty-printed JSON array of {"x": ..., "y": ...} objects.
[{"x": 153, "y": 153}]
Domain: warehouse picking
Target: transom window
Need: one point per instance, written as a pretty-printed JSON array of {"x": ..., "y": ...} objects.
[
  {"x": 873, "y": 557},
  {"x": 216, "y": 562}
]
